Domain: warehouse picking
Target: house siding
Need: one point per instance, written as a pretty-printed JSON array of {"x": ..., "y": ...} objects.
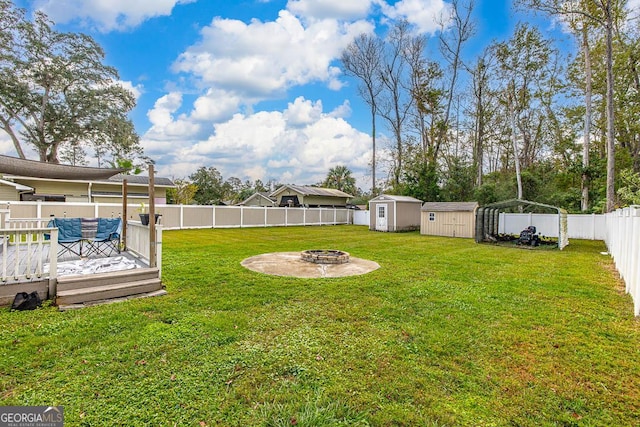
[
  {"x": 79, "y": 191},
  {"x": 75, "y": 191},
  {"x": 9, "y": 193},
  {"x": 324, "y": 201}
]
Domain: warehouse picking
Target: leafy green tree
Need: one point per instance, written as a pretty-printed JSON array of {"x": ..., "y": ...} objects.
[
  {"x": 210, "y": 186},
  {"x": 183, "y": 193},
  {"x": 340, "y": 178},
  {"x": 629, "y": 191},
  {"x": 419, "y": 177},
  {"x": 55, "y": 90}
]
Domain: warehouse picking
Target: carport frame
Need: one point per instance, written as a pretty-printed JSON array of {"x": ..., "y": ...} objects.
[{"x": 488, "y": 219}]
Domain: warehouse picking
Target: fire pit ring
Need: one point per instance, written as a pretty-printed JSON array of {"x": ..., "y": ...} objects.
[{"x": 325, "y": 256}]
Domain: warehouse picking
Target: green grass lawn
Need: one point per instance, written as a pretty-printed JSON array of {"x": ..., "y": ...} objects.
[{"x": 446, "y": 333}]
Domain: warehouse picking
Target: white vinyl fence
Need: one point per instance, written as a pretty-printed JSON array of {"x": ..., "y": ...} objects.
[
  {"x": 361, "y": 218},
  {"x": 623, "y": 240},
  {"x": 175, "y": 217},
  {"x": 588, "y": 227}
]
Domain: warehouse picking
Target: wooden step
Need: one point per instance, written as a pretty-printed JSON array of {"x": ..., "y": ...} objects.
[
  {"x": 105, "y": 292},
  {"x": 66, "y": 283},
  {"x": 111, "y": 301}
]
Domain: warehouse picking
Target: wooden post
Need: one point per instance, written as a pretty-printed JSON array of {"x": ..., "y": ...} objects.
[
  {"x": 152, "y": 219},
  {"x": 124, "y": 214}
]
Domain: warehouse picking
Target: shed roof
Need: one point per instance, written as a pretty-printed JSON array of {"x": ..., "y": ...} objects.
[
  {"x": 312, "y": 191},
  {"x": 395, "y": 198},
  {"x": 450, "y": 206}
]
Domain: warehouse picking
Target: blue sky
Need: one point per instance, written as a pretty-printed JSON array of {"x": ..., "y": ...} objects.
[{"x": 251, "y": 87}]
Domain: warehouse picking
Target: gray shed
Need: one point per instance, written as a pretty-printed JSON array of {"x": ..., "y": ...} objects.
[
  {"x": 394, "y": 213},
  {"x": 450, "y": 219}
]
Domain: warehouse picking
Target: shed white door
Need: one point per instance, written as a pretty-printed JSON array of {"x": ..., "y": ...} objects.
[{"x": 381, "y": 218}]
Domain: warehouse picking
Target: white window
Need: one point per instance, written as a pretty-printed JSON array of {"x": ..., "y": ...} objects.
[
  {"x": 432, "y": 216},
  {"x": 381, "y": 211}
]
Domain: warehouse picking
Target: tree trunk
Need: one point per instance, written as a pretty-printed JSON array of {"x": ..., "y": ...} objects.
[
  {"x": 373, "y": 139},
  {"x": 587, "y": 120},
  {"x": 611, "y": 156},
  {"x": 514, "y": 141}
]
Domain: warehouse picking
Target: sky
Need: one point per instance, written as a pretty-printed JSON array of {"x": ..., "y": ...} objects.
[{"x": 253, "y": 88}]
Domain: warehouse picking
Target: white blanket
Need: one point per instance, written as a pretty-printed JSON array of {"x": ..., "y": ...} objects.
[{"x": 93, "y": 266}]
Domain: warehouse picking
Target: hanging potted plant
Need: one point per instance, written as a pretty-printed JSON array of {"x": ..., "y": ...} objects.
[{"x": 144, "y": 215}]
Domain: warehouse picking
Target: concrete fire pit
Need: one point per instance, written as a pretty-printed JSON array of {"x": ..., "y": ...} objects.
[{"x": 325, "y": 256}]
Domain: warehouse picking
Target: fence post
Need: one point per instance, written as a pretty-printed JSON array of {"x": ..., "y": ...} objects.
[{"x": 53, "y": 264}]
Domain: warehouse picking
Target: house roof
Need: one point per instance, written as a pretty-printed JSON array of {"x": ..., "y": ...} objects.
[
  {"x": 116, "y": 179},
  {"x": 395, "y": 198},
  {"x": 312, "y": 191},
  {"x": 22, "y": 167},
  {"x": 139, "y": 179},
  {"x": 258, "y": 195},
  {"x": 449, "y": 206}
]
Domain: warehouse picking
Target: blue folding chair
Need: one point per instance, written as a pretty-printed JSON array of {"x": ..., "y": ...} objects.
[
  {"x": 69, "y": 234},
  {"x": 107, "y": 238}
]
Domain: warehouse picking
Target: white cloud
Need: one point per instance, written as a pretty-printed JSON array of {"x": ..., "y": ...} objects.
[
  {"x": 165, "y": 127},
  {"x": 107, "y": 15},
  {"x": 287, "y": 54},
  {"x": 216, "y": 105},
  {"x": 334, "y": 9},
  {"x": 299, "y": 144},
  {"x": 302, "y": 112},
  {"x": 424, "y": 14},
  {"x": 137, "y": 90}
]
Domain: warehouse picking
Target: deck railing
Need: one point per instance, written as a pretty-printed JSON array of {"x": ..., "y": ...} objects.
[
  {"x": 138, "y": 241},
  {"x": 26, "y": 252}
]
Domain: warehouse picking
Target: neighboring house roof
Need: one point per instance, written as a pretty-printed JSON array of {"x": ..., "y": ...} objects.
[
  {"x": 450, "y": 206},
  {"x": 258, "y": 195},
  {"x": 140, "y": 179},
  {"x": 395, "y": 198},
  {"x": 311, "y": 191},
  {"x": 22, "y": 167},
  {"x": 18, "y": 187},
  {"x": 117, "y": 179}
]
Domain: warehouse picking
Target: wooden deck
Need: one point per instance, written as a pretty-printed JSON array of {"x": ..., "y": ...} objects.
[
  {"x": 25, "y": 260},
  {"x": 31, "y": 262}
]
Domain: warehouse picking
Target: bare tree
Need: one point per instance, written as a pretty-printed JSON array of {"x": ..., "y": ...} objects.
[
  {"x": 361, "y": 59},
  {"x": 480, "y": 74},
  {"x": 606, "y": 13},
  {"x": 451, "y": 43},
  {"x": 395, "y": 100}
]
